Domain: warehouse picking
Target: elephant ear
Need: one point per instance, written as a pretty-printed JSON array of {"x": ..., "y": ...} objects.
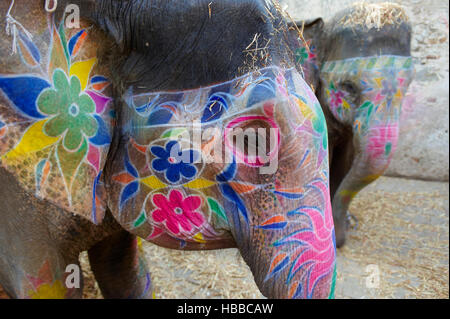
[
  {"x": 310, "y": 28},
  {"x": 304, "y": 38},
  {"x": 55, "y": 129}
]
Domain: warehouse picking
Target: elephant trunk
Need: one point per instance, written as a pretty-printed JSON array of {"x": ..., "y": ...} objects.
[{"x": 374, "y": 148}]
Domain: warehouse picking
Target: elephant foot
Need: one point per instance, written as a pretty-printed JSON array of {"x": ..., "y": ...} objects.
[
  {"x": 342, "y": 226},
  {"x": 352, "y": 221},
  {"x": 341, "y": 238}
]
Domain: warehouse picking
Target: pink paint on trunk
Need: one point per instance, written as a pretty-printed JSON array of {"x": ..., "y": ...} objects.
[{"x": 382, "y": 143}]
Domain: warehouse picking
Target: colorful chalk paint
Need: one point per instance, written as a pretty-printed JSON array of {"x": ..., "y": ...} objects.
[
  {"x": 55, "y": 125},
  {"x": 195, "y": 202}
]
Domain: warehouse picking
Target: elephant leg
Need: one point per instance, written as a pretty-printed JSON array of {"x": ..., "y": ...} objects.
[
  {"x": 43, "y": 273},
  {"x": 119, "y": 268},
  {"x": 341, "y": 163},
  {"x": 39, "y": 247}
]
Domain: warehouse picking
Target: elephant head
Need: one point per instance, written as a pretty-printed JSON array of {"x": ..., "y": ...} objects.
[
  {"x": 360, "y": 64},
  {"x": 109, "y": 121}
]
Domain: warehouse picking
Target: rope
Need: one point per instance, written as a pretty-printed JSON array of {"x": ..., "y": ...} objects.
[{"x": 12, "y": 28}]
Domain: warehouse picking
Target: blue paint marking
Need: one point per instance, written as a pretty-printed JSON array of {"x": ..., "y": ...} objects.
[{"x": 23, "y": 92}]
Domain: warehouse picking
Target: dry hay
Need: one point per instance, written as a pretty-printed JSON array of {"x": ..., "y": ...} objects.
[
  {"x": 192, "y": 275},
  {"x": 404, "y": 233},
  {"x": 203, "y": 274},
  {"x": 406, "y": 236},
  {"x": 90, "y": 286},
  {"x": 374, "y": 15},
  {"x": 258, "y": 51}
]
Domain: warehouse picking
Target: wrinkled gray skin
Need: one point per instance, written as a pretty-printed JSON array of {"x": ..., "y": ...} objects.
[
  {"x": 33, "y": 231},
  {"x": 349, "y": 170}
]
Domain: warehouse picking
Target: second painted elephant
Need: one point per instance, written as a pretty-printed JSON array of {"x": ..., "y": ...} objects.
[
  {"x": 130, "y": 124},
  {"x": 360, "y": 66}
]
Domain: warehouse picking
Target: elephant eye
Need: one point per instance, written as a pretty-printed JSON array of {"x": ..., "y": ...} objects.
[
  {"x": 353, "y": 93},
  {"x": 350, "y": 88}
]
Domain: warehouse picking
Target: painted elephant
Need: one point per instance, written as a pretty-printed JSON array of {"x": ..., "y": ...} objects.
[
  {"x": 360, "y": 65},
  {"x": 128, "y": 124}
]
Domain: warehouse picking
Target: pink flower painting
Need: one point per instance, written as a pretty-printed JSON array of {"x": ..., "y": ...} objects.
[{"x": 178, "y": 213}]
